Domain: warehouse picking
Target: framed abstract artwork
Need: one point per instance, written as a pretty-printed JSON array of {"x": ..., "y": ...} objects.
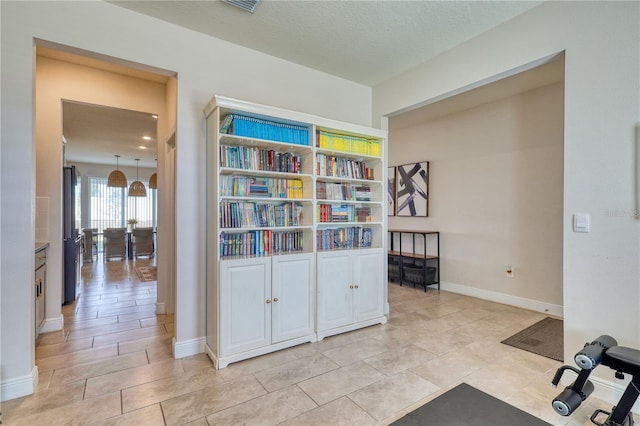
[
  {"x": 412, "y": 190},
  {"x": 391, "y": 191}
]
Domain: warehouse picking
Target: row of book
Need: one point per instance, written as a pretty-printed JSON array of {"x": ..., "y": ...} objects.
[
  {"x": 347, "y": 143},
  {"x": 342, "y": 191},
  {"x": 245, "y": 186},
  {"x": 329, "y": 165},
  {"x": 259, "y": 215},
  {"x": 260, "y": 243},
  {"x": 261, "y": 128},
  {"x": 253, "y": 158},
  {"x": 343, "y": 238},
  {"x": 343, "y": 213}
]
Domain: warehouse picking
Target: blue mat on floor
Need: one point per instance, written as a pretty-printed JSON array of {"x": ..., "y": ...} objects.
[{"x": 465, "y": 405}]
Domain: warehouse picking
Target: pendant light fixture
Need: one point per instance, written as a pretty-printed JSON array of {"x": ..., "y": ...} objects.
[
  {"x": 153, "y": 180},
  {"x": 137, "y": 189},
  {"x": 116, "y": 178}
]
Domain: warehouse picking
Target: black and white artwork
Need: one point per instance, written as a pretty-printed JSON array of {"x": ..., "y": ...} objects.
[
  {"x": 391, "y": 191},
  {"x": 412, "y": 190}
]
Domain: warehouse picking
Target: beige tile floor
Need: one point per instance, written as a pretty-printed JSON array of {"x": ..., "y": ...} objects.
[{"x": 112, "y": 365}]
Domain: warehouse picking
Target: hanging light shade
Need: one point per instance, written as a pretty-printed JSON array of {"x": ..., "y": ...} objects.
[
  {"x": 137, "y": 189},
  {"x": 116, "y": 178},
  {"x": 153, "y": 181}
]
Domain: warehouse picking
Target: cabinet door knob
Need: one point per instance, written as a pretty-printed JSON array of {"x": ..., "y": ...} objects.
[
  {"x": 268, "y": 300},
  {"x": 357, "y": 286},
  {"x": 351, "y": 286},
  {"x": 275, "y": 299}
]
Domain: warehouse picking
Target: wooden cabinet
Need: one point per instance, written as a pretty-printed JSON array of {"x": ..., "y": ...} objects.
[
  {"x": 245, "y": 292},
  {"x": 350, "y": 290},
  {"x": 293, "y": 297},
  {"x": 284, "y": 190},
  {"x": 266, "y": 303}
]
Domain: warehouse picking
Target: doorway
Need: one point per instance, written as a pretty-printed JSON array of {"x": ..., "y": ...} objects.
[{"x": 67, "y": 75}]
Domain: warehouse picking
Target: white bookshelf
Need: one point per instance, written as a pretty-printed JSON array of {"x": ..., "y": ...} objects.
[{"x": 293, "y": 265}]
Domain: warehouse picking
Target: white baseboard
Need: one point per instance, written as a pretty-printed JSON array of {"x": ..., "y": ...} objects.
[
  {"x": 187, "y": 348},
  {"x": 160, "y": 308},
  {"x": 20, "y": 386},
  {"x": 52, "y": 324},
  {"x": 507, "y": 299}
]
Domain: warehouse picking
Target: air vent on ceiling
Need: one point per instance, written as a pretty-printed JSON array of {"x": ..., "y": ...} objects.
[{"x": 248, "y": 5}]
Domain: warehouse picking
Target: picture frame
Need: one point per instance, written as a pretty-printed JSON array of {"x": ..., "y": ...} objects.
[
  {"x": 412, "y": 189},
  {"x": 391, "y": 191}
]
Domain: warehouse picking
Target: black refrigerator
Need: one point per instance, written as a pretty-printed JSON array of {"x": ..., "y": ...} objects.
[{"x": 70, "y": 234}]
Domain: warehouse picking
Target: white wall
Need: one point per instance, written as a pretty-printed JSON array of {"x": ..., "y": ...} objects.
[
  {"x": 601, "y": 269},
  {"x": 205, "y": 66},
  {"x": 495, "y": 195}
]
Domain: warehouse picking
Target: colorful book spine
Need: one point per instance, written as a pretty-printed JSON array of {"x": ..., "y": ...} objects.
[
  {"x": 347, "y": 143},
  {"x": 265, "y": 128},
  {"x": 259, "y": 243}
]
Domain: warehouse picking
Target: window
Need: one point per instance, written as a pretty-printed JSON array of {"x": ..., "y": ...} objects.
[{"x": 112, "y": 208}]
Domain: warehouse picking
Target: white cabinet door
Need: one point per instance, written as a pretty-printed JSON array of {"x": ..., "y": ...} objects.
[
  {"x": 245, "y": 304},
  {"x": 293, "y": 296},
  {"x": 335, "y": 297},
  {"x": 368, "y": 278}
]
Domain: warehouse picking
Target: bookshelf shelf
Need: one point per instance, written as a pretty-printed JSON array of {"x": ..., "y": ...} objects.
[{"x": 270, "y": 174}]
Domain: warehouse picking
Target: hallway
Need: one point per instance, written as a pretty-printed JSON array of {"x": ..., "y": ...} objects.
[{"x": 112, "y": 365}]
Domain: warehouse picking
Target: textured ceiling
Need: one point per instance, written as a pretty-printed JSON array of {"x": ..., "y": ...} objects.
[{"x": 364, "y": 41}]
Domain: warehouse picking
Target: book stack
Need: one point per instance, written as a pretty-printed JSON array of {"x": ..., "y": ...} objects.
[
  {"x": 346, "y": 143},
  {"x": 253, "y": 158},
  {"x": 259, "y": 243},
  {"x": 259, "y": 215},
  {"x": 244, "y": 186},
  {"x": 362, "y": 193},
  {"x": 343, "y": 213},
  {"x": 268, "y": 129},
  {"x": 342, "y": 191},
  {"x": 329, "y": 165},
  {"x": 343, "y": 238}
]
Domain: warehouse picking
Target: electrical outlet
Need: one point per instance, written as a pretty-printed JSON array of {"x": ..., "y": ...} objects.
[{"x": 509, "y": 271}]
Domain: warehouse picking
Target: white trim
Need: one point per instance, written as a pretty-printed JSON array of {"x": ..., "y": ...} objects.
[
  {"x": 187, "y": 348},
  {"x": 160, "y": 308},
  {"x": 20, "y": 386},
  {"x": 386, "y": 309},
  {"x": 520, "y": 302},
  {"x": 224, "y": 361},
  {"x": 611, "y": 391},
  {"x": 52, "y": 324},
  {"x": 355, "y": 326}
]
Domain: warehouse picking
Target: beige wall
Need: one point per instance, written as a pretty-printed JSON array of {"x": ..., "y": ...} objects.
[
  {"x": 57, "y": 80},
  {"x": 495, "y": 195},
  {"x": 601, "y": 269}
]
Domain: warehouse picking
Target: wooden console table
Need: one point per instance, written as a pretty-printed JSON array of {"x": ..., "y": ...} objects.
[{"x": 408, "y": 266}]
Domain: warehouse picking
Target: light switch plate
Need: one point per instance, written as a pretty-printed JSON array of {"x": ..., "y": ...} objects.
[{"x": 581, "y": 222}]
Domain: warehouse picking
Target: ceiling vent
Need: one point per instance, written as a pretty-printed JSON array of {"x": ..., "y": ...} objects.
[{"x": 248, "y": 5}]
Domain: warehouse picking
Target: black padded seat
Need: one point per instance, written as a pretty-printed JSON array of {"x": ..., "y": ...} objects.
[{"x": 626, "y": 360}]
